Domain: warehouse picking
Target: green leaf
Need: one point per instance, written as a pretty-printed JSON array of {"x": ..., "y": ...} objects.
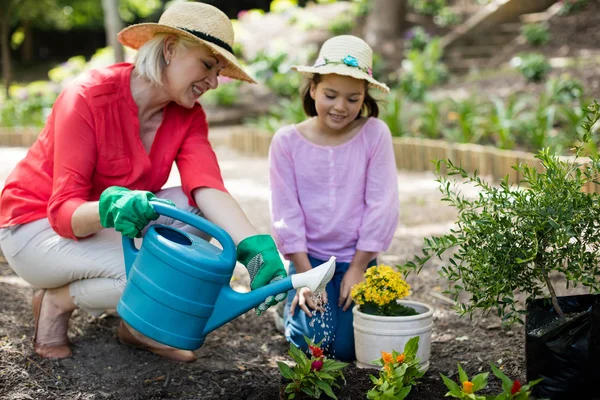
[
  {"x": 411, "y": 347},
  {"x": 452, "y": 386},
  {"x": 480, "y": 381},
  {"x": 506, "y": 381},
  {"x": 462, "y": 376},
  {"x": 326, "y": 388},
  {"x": 285, "y": 370},
  {"x": 298, "y": 355}
]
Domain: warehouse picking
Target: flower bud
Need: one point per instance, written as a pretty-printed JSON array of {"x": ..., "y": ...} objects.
[
  {"x": 467, "y": 387},
  {"x": 516, "y": 387},
  {"x": 316, "y": 365}
]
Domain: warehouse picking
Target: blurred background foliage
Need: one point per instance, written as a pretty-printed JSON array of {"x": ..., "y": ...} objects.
[{"x": 44, "y": 62}]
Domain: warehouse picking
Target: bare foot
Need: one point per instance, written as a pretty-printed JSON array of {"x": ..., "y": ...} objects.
[{"x": 51, "y": 324}]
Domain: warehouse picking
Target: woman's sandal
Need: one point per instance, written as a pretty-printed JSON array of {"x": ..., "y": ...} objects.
[
  {"x": 58, "y": 349},
  {"x": 127, "y": 338}
]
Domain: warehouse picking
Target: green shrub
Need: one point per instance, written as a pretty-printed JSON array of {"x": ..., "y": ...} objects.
[
  {"x": 427, "y": 7},
  {"x": 341, "y": 25},
  {"x": 392, "y": 112},
  {"x": 511, "y": 240},
  {"x": 571, "y": 6},
  {"x": 446, "y": 17},
  {"x": 273, "y": 69},
  {"x": 416, "y": 38},
  {"x": 423, "y": 69},
  {"x": 533, "y": 66},
  {"x": 536, "y": 34},
  {"x": 564, "y": 90},
  {"x": 226, "y": 94}
]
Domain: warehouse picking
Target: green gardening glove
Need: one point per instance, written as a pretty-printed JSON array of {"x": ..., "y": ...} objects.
[
  {"x": 259, "y": 255},
  {"x": 128, "y": 211}
]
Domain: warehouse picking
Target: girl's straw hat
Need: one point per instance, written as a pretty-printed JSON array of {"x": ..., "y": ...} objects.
[
  {"x": 345, "y": 55},
  {"x": 197, "y": 21}
]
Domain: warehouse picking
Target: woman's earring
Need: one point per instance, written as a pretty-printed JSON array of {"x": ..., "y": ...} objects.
[{"x": 167, "y": 61}]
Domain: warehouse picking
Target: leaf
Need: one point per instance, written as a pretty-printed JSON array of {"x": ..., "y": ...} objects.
[
  {"x": 451, "y": 385},
  {"x": 298, "y": 355},
  {"x": 462, "y": 376},
  {"x": 506, "y": 381},
  {"x": 403, "y": 392},
  {"x": 411, "y": 347},
  {"x": 480, "y": 381},
  {"x": 326, "y": 388},
  {"x": 285, "y": 370}
]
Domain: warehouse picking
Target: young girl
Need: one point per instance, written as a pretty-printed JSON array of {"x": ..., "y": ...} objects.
[{"x": 334, "y": 190}]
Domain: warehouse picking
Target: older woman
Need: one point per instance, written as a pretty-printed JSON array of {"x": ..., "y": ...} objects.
[{"x": 105, "y": 152}]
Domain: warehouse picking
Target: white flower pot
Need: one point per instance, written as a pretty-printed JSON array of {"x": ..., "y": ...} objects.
[{"x": 374, "y": 334}]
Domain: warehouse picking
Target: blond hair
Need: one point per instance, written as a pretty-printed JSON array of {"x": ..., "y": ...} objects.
[{"x": 150, "y": 61}]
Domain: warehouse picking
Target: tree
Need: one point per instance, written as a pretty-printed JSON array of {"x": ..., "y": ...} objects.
[
  {"x": 113, "y": 24},
  {"x": 11, "y": 11},
  {"x": 386, "y": 21}
]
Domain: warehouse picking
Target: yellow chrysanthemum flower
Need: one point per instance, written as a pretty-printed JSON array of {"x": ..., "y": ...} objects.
[{"x": 382, "y": 285}]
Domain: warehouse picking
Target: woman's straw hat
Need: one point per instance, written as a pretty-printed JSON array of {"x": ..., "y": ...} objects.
[
  {"x": 197, "y": 21},
  {"x": 345, "y": 55}
]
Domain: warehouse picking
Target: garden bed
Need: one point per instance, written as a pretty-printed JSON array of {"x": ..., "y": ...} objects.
[{"x": 236, "y": 361}]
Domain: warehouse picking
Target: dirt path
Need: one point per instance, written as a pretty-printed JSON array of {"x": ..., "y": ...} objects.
[{"x": 238, "y": 361}]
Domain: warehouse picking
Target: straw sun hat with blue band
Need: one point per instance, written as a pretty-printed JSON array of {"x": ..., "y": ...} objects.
[
  {"x": 345, "y": 55},
  {"x": 196, "y": 21}
]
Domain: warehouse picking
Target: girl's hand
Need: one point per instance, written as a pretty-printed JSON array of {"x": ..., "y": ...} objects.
[
  {"x": 304, "y": 298},
  {"x": 351, "y": 277}
]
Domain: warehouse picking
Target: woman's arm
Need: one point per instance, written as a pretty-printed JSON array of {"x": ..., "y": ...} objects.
[
  {"x": 222, "y": 210},
  {"x": 86, "y": 219}
]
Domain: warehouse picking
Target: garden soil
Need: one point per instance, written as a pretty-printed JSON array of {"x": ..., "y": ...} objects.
[{"x": 239, "y": 360}]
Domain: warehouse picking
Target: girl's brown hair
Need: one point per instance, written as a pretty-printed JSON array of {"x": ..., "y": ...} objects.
[{"x": 369, "y": 107}]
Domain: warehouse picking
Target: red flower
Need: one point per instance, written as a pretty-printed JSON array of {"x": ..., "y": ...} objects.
[
  {"x": 516, "y": 387},
  {"x": 316, "y": 351},
  {"x": 316, "y": 365}
]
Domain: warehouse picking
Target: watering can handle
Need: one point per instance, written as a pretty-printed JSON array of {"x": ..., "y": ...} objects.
[{"x": 228, "y": 254}]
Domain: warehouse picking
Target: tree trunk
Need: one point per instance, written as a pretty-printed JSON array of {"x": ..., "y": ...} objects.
[
  {"x": 386, "y": 21},
  {"x": 27, "y": 45},
  {"x": 4, "y": 44},
  {"x": 112, "y": 26}
]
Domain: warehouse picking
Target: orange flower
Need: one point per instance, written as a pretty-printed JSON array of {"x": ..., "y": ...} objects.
[
  {"x": 467, "y": 387},
  {"x": 400, "y": 358},
  {"x": 387, "y": 357}
]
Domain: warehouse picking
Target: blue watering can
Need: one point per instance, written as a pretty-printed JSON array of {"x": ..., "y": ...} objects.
[{"x": 178, "y": 284}]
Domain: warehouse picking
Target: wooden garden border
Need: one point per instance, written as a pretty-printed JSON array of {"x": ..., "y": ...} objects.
[{"x": 412, "y": 154}]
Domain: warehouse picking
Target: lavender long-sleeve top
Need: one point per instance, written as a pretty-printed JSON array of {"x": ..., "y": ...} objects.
[{"x": 334, "y": 200}]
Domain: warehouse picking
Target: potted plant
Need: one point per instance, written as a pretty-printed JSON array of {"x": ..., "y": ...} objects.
[
  {"x": 509, "y": 244},
  {"x": 312, "y": 376},
  {"x": 383, "y": 321},
  {"x": 399, "y": 373}
]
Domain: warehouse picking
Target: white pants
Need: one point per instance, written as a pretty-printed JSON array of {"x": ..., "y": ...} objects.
[{"x": 94, "y": 267}]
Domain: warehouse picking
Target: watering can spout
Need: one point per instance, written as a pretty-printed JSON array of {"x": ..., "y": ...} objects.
[{"x": 231, "y": 304}]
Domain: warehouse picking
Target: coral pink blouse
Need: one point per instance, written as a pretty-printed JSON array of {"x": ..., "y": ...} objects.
[{"x": 91, "y": 141}]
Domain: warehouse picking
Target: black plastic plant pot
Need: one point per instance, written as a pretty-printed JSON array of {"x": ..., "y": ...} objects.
[{"x": 564, "y": 352}]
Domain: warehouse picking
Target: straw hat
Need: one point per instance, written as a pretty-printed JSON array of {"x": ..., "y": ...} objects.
[
  {"x": 197, "y": 21},
  {"x": 345, "y": 55}
]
